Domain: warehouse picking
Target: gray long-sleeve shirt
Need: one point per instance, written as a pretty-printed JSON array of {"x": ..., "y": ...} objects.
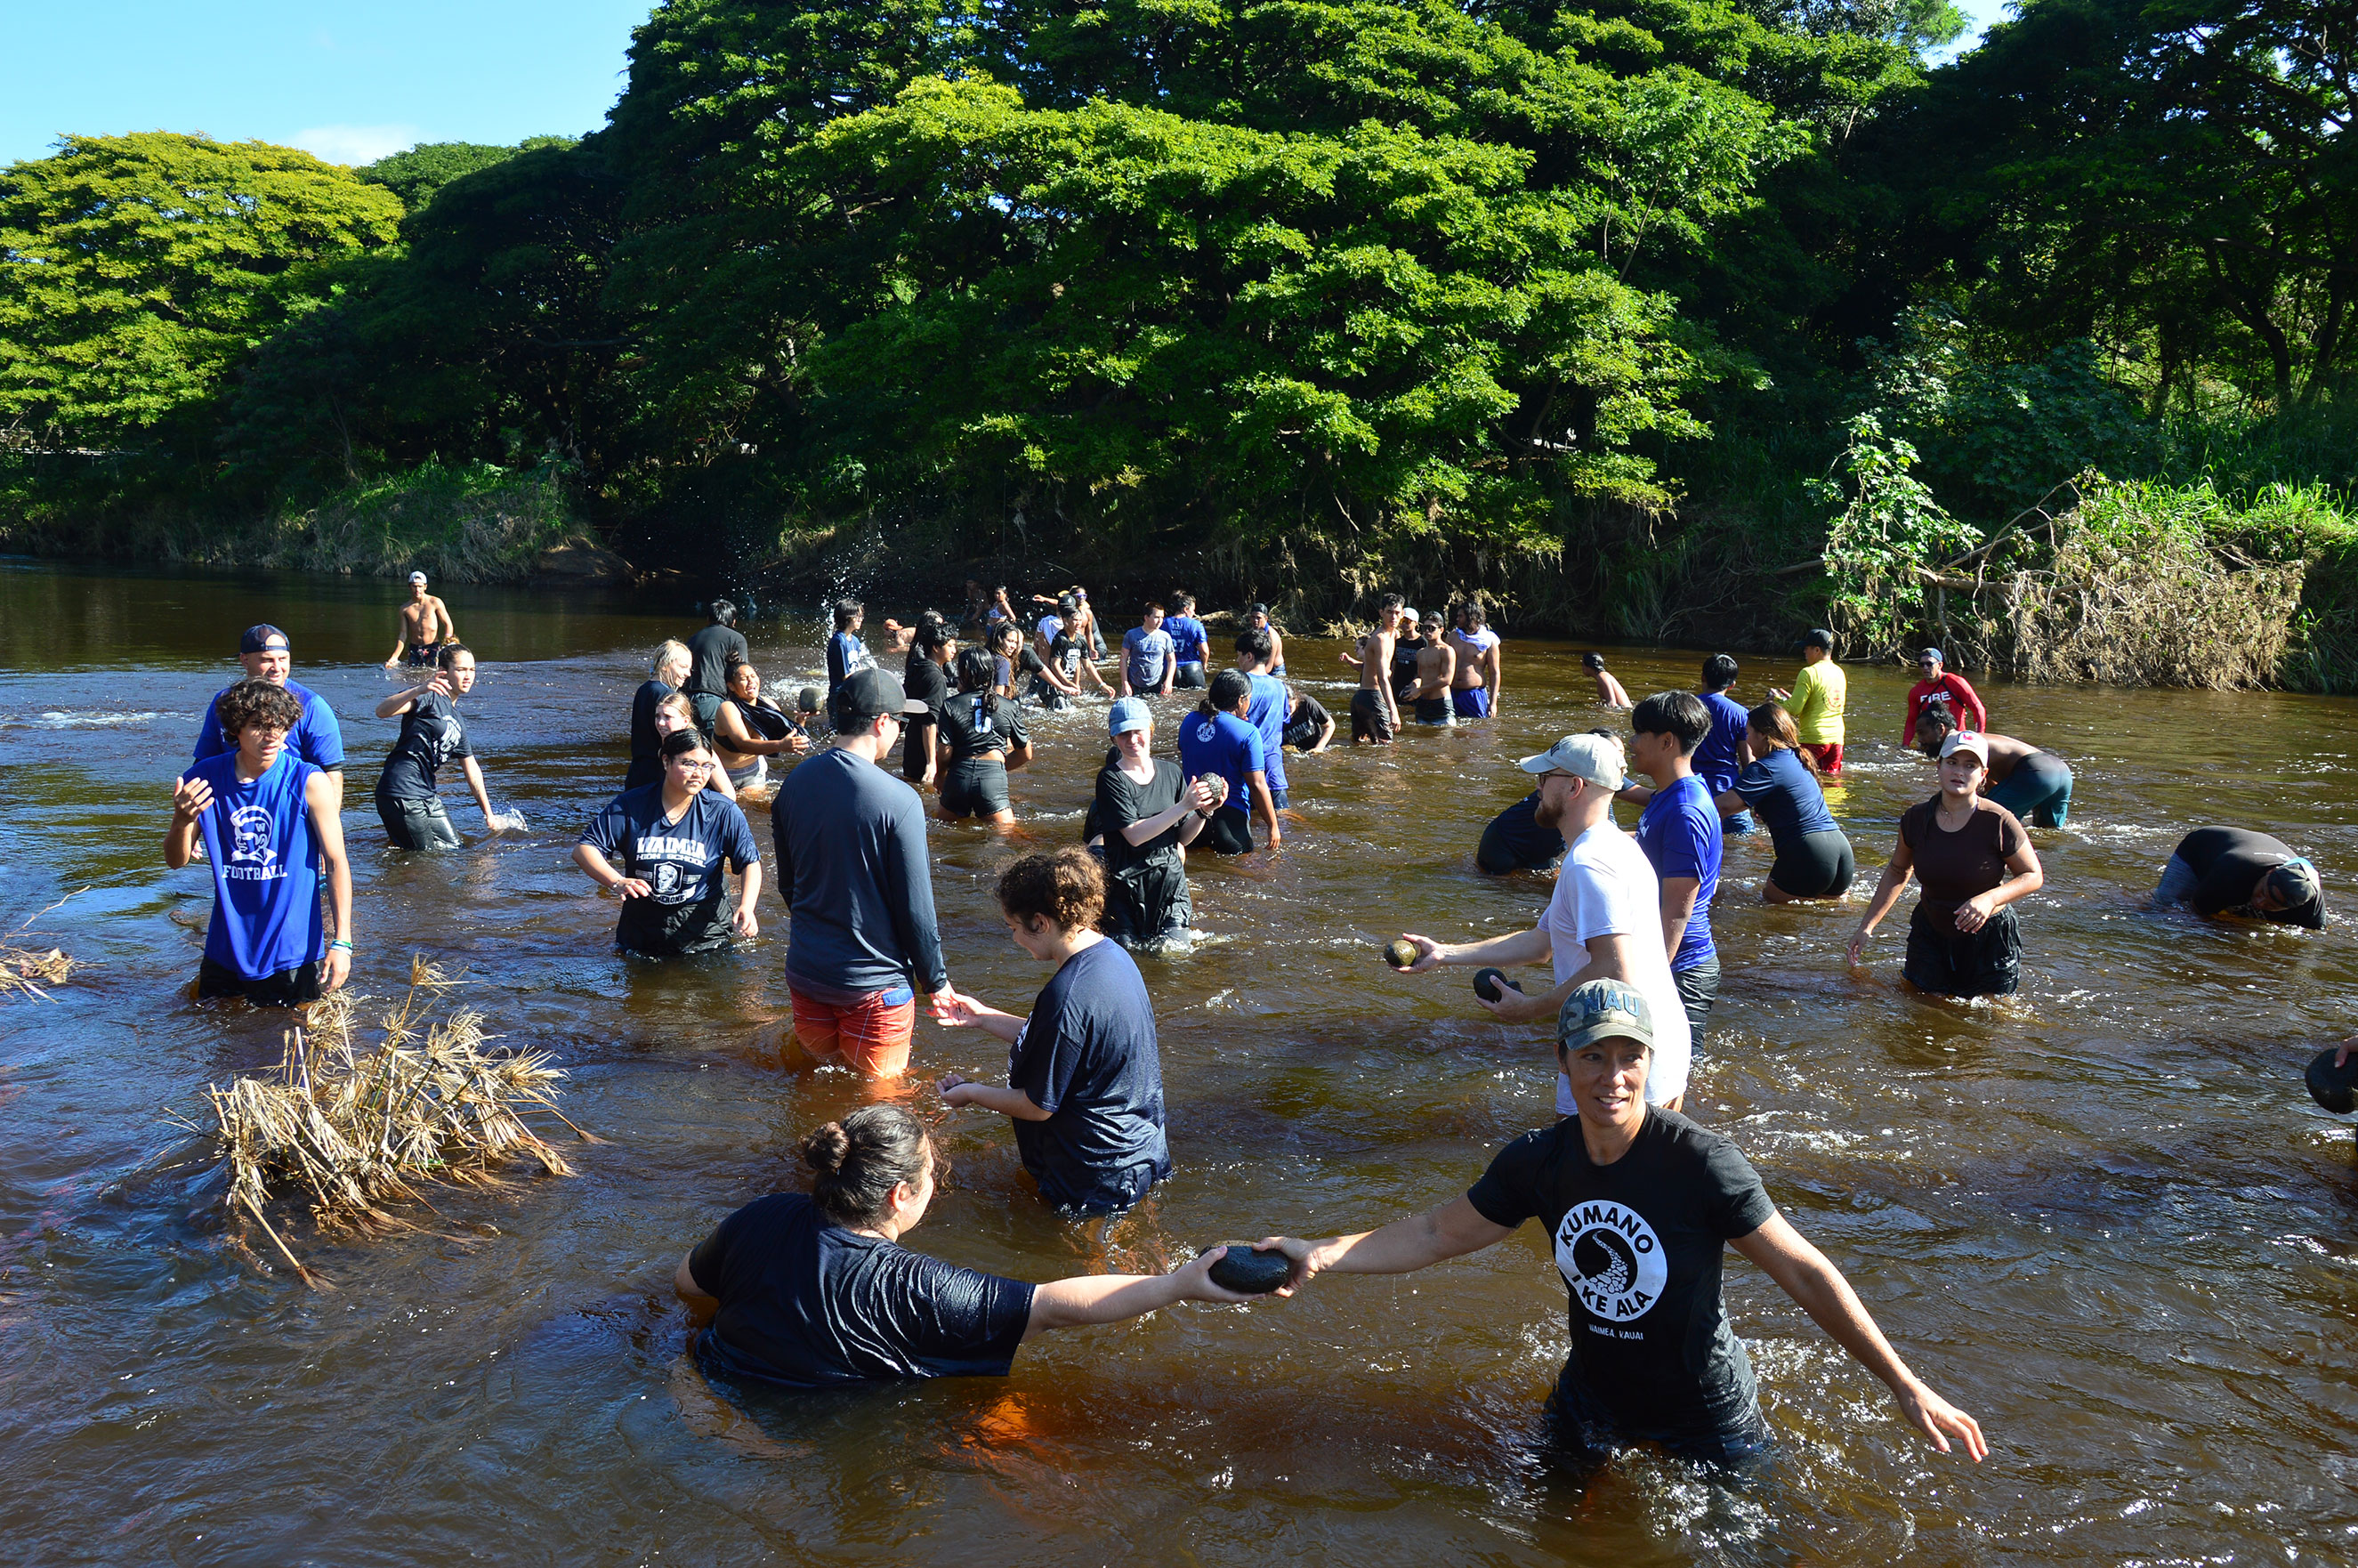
[{"x": 850, "y": 845}]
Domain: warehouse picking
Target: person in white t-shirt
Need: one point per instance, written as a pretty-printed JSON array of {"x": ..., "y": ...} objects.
[{"x": 1605, "y": 920}]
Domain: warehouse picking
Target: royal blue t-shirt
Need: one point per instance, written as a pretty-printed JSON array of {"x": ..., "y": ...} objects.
[
  {"x": 1789, "y": 800},
  {"x": 315, "y": 738},
  {"x": 1267, "y": 714},
  {"x": 689, "y": 907},
  {"x": 1224, "y": 744},
  {"x": 1720, "y": 755},
  {"x": 1189, "y": 640},
  {"x": 810, "y": 1305},
  {"x": 1680, "y": 833},
  {"x": 1086, "y": 1057},
  {"x": 847, "y": 655},
  {"x": 266, "y": 865}
]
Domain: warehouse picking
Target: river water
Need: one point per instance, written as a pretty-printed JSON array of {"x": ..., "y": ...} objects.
[{"x": 2104, "y": 1217}]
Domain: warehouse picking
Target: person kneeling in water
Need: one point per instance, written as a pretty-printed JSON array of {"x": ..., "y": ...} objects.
[
  {"x": 2035, "y": 785},
  {"x": 818, "y": 1291},
  {"x": 1640, "y": 1204},
  {"x": 2244, "y": 875},
  {"x": 1084, "y": 1081},
  {"x": 672, "y": 839}
]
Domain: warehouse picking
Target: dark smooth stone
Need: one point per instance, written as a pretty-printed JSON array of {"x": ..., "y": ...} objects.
[
  {"x": 1252, "y": 1273},
  {"x": 1486, "y": 982},
  {"x": 2335, "y": 1088},
  {"x": 1399, "y": 954}
]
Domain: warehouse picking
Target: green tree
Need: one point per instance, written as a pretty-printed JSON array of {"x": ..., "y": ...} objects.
[
  {"x": 416, "y": 174},
  {"x": 135, "y": 271}
]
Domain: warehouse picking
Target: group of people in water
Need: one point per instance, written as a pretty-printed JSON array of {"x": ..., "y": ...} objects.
[{"x": 1639, "y": 1197}]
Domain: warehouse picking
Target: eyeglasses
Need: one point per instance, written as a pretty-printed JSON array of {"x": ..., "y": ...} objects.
[{"x": 684, "y": 765}]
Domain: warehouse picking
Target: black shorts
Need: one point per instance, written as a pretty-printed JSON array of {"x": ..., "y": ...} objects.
[
  {"x": 976, "y": 786},
  {"x": 1583, "y": 1431},
  {"x": 1949, "y": 962},
  {"x": 419, "y": 823},
  {"x": 287, "y": 988},
  {"x": 1228, "y": 831},
  {"x": 1816, "y": 865},
  {"x": 424, "y": 654},
  {"x": 1370, "y": 721},
  {"x": 1434, "y": 710},
  {"x": 1190, "y": 677}
]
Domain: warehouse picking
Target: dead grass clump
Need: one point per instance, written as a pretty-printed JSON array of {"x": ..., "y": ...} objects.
[
  {"x": 22, "y": 969},
  {"x": 354, "y": 1130}
]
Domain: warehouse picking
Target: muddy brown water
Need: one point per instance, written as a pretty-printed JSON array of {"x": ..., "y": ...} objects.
[{"x": 2104, "y": 1216}]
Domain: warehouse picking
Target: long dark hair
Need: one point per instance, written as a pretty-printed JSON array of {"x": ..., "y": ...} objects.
[
  {"x": 858, "y": 1161},
  {"x": 1771, "y": 720},
  {"x": 977, "y": 669}
]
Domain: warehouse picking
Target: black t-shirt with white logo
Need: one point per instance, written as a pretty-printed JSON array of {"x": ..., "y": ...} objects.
[
  {"x": 1639, "y": 1243},
  {"x": 978, "y": 724},
  {"x": 811, "y": 1304},
  {"x": 680, "y": 861},
  {"x": 430, "y": 736}
]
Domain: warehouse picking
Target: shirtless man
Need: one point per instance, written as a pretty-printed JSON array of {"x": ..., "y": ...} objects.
[
  {"x": 1374, "y": 717},
  {"x": 1609, "y": 691},
  {"x": 1481, "y": 677},
  {"x": 2035, "y": 785},
  {"x": 1436, "y": 664},
  {"x": 424, "y": 626}
]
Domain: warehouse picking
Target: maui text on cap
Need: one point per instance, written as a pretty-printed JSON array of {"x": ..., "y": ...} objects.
[
  {"x": 1603, "y": 1010},
  {"x": 262, "y": 639}
]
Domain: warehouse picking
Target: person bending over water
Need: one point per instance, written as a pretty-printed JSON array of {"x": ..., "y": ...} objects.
[
  {"x": 2035, "y": 785},
  {"x": 2244, "y": 875},
  {"x": 1309, "y": 727},
  {"x": 1147, "y": 814},
  {"x": 1638, "y": 1205},
  {"x": 271, "y": 824},
  {"x": 1083, "y": 1083},
  {"x": 421, "y": 628},
  {"x": 430, "y": 736},
  {"x": 1609, "y": 690},
  {"x": 818, "y": 1291},
  {"x": 1975, "y": 860},
  {"x": 666, "y": 671},
  {"x": 747, "y": 732},
  {"x": 672, "y": 839},
  {"x": 1514, "y": 841},
  {"x": 1781, "y": 783},
  {"x": 982, "y": 739}
]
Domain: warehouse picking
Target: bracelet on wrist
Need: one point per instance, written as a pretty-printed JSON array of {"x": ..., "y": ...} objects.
[{"x": 340, "y": 942}]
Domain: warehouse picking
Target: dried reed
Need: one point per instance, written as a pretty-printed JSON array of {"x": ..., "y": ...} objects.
[
  {"x": 356, "y": 1130},
  {"x": 22, "y": 968}
]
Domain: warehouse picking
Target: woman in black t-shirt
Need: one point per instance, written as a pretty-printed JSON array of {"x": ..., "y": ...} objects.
[
  {"x": 747, "y": 732},
  {"x": 982, "y": 739},
  {"x": 818, "y": 1291},
  {"x": 431, "y": 735},
  {"x": 921, "y": 678},
  {"x": 1973, "y": 860},
  {"x": 1639, "y": 1203},
  {"x": 1147, "y": 812}
]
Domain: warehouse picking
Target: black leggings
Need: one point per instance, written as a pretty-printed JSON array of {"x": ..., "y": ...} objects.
[
  {"x": 1228, "y": 832},
  {"x": 1815, "y": 865}
]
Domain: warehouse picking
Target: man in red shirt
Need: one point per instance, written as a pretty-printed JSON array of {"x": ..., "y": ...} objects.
[{"x": 1938, "y": 688}]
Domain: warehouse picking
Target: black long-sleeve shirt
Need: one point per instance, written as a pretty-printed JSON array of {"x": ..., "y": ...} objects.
[{"x": 850, "y": 845}]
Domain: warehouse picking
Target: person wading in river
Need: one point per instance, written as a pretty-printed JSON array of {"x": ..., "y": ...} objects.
[
  {"x": 407, "y": 798},
  {"x": 665, "y": 672},
  {"x": 1638, "y": 1205},
  {"x": 2244, "y": 875},
  {"x": 317, "y": 738},
  {"x": 747, "y": 732},
  {"x": 712, "y": 654},
  {"x": 421, "y": 628},
  {"x": 1813, "y": 855},
  {"x": 1148, "y": 814},
  {"x": 1939, "y": 688},
  {"x": 1817, "y": 700},
  {"x": 2035, "y": 785},
  {"x": 1478, "y": 683},
  {"x": 1975, "y": 860},
  {"x": 818, "y": 1291},
  {"x": 673, "y": 840},
  {"x": 271, "y": 826}
]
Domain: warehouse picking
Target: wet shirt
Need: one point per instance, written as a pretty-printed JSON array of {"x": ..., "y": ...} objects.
[
  {"x": 265, "y": 868},
  {"x": 1639, "y": 1243},
  {"x": 1720, "y": 757},
  {"x": 1266, "y": 713},
  {"x": 847, "y": 655},
  {"x": 1953, "y": 695},
  {"x": 1147, "y": 654},
  {"x": 1189, "y": 641},
  {"x": 1678, "y": 831},
  {"x": 711, "y": 652},
  {"x": 430, "y": 736},
  {"x": 1783, "y": 791},
  {"x": 1086, "y": 1056},
  {"x": 811, "y": 1304},
  {"x": 1954, "y": 867},
  {"x": 317, "y": 738},
  {"x": 1309, "y": 719},
  {"x": 680, "y": 860},
  {"x": 2231, "y": 861},
  {"x": 978, "y": 724},
  {"x": 850, "y": 845},
  {"x": 1122, "y": 800},
  {"x": 1223, "y": 744},
  {"x": 924, "y": 681}
]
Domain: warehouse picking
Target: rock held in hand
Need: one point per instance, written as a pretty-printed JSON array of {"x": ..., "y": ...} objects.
[
  {"x": 2335, "y": 1088},
  {"x": 1252, "y": 1273},
  {"x": 1399, "y": 954},
  {"x": 1487, "y": 981}
]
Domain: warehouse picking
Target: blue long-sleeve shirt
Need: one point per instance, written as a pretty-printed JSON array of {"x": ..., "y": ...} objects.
[{"x": 851, "y": 846}]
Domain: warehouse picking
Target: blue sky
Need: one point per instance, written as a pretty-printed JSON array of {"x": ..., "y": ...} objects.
[{"x": 351, "y": 82}]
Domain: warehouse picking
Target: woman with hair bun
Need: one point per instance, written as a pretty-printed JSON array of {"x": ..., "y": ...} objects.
[
  {"x": 817, "y": 1291},
  {"x": 1084, "y": 1080}
]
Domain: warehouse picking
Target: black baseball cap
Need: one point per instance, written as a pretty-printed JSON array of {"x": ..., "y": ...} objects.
[
  {"x": 870, "y": 695},
  {"x": 262, "y": 639},
  {"x": 1818, "y": 637}
]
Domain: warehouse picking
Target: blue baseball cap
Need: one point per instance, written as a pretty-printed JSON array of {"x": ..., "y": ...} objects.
[
  {"x": 1129, "y": 713},
  {"x": 262, "y": 639}
]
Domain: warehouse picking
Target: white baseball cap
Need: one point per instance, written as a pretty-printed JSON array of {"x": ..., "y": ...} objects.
[
  {"x": 418, "y": 577},
  {"x": 1597, "y": 757},
  {"x": 1966, "y": 740}
]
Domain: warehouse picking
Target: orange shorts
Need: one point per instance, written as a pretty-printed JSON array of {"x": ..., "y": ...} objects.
[{"x": 871, "y": 1034}]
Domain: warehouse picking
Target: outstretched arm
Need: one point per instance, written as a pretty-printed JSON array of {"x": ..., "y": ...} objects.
[
  {"x": 1404, "y": 1245},
  {"x": 1117, "y": 1298},
  {"x": 1786, "y": 1256}
]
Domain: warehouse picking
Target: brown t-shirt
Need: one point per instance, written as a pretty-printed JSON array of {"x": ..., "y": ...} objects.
[{"x": 1953, "y": 867}]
